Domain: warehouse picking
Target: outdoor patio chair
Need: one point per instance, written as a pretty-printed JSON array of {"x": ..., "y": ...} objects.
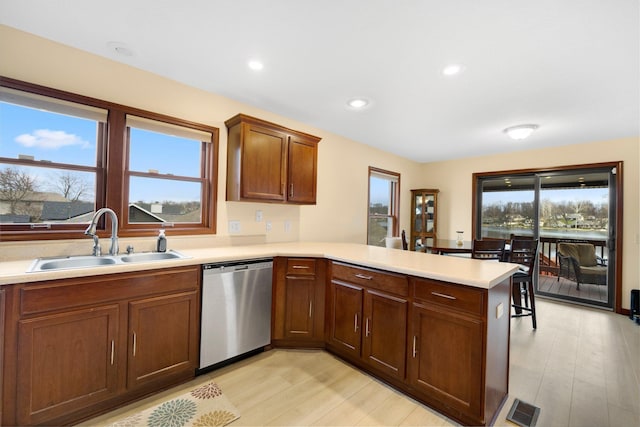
[{"x": 578, "y": 261}]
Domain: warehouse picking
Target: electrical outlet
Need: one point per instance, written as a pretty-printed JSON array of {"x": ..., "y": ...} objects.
[
  {"x": 258, "y": 216},
  {"x": 234, "y": 227},
  {"x": 268, "y": 226},
  {"x": 499, "y": 310},
  {"x": 287, "y": 226}
]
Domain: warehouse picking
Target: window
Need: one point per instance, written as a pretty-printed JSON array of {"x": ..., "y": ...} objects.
[
  {"x": 63, "y": 156},
  {"x": 384, "y": 198},
  {"x": 49, "y": 163},
  {"x": 166, "y": 173}
]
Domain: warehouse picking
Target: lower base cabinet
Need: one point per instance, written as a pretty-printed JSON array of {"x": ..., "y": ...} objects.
[{"x": 86, "y": 345}]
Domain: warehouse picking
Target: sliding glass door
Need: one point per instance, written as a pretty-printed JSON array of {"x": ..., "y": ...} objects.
[{"x": 572, "y": 212}]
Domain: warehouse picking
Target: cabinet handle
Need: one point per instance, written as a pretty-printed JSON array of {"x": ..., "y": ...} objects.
[
  {"x": 362, "y": 276},
  {"x": 414, "y": 347},
  {"x": 113, "y": 350},
  {"x": 310, "y": 307},
  {"x": 366, "y": 328},
  {"x": 300, "y": 267},
  {"x": 290, "y": 190},
  {"x": 355, "y": 323},
  {"x": 134, "y": 343},
  {"x": 438, "y": 294}
]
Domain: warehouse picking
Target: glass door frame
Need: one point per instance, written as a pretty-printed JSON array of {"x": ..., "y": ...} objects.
[{"x": 615, "y": 210}]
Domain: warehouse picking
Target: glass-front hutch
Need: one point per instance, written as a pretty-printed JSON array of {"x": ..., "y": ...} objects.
[{"x": 424, "y": 218}]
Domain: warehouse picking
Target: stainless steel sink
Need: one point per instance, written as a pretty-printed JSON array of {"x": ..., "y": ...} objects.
[
  {"x": 151, "y": 256},
  {"x": 84, "y": 261},
  {"x": 71, "y": 262}
]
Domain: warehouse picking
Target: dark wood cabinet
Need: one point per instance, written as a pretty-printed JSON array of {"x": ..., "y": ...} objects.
[
  {"x": 345, "y": 318},
  {"x": 269, "y": 163},
  {"x": 457, "y": 360},
  {"x": 66, "y": 361},
  {"x": 163, "y": 332},
  {"x": 85, "y": 345},
  {"x": 384, "y": 341},
  {"x": 445, "y": 342},
  {"x": 299, "y": 301},
  {"x": 368, "y": 317}
]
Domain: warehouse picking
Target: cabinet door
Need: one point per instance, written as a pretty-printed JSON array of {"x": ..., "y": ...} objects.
[
  {"x": 163, "y": 338},
  {"x": 302, "y": 170},
  {"x": 264, "y": 168},
  {"x": 299, "y": 307},
  {"x": 445, "y": 360},
  {"x": 66, "y": 362},
  {"x": 345, "y": 318},
  {"x": 385, "y": 332}
]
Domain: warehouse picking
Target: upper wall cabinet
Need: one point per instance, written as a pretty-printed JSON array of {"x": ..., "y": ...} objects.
[{"x": 270, "y": 163}]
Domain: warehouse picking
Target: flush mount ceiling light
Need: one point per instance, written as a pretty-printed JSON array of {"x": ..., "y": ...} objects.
[
  {"x": 452, "y": 70},
  {"x": 520, "y": 131},
  {"x": 357, "y": 103},
  {"x": 255, "y": 65}
]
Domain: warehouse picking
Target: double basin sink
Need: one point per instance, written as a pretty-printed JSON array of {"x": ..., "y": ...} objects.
[{"x": 88, "y": 261}]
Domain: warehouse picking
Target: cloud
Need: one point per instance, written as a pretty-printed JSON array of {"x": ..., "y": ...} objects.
[{"x": 51, "y": 139}]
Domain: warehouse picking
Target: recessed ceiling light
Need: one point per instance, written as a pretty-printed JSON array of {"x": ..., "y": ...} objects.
[
  {"x": 120, "y": 48},
  {"x": 452, "y": 69},
  {"x": 520, "y": 131},
  {"x": 357, "y": 103},
  {"x": 256, "y": 65}
]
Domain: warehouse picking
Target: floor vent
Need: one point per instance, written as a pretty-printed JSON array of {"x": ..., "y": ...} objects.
[{"x": 523, "y": 414}]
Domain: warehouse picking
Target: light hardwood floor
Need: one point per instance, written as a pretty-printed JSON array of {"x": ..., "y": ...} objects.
[{"x": 581, "y": 367}]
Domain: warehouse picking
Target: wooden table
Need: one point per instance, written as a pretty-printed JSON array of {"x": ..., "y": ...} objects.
[{"x": 446, "y": 246}]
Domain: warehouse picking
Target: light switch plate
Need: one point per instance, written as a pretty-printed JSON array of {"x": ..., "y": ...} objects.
[
  {"x": 258, "y": 216},
  {"x": 499, "y": 310}
]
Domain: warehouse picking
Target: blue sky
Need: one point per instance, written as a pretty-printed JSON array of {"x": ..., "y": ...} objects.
[{"x": 65, "y": 139}]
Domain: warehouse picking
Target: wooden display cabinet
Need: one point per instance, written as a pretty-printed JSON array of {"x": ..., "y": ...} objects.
[{"x": 424, "y": 218}]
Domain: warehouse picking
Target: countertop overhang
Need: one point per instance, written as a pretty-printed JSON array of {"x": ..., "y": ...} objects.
[{"x": 465, "y": 271}]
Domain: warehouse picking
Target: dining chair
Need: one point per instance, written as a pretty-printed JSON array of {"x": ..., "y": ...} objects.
[
  {"x": 405, "y": 244},
  {"x": 488, "y": 249},
  {"x": 525, "y": 253}
]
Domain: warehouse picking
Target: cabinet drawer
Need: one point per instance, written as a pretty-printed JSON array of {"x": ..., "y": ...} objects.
[
  {"x": 449, "y": 295},
  {"x": 383, "y": 281},
  {"x": 301, "y": 266}
]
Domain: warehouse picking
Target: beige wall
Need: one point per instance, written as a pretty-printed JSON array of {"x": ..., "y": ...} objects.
[{"x": 340, "y": 214}]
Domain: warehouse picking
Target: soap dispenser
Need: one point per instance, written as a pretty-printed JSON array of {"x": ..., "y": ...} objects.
[{"x": 162, "y": 242}]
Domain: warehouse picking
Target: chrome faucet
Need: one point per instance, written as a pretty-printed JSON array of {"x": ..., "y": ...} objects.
[{"x": 91, "y": 231}]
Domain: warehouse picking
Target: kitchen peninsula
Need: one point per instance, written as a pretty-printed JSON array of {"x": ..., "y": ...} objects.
[{"x": 449, "y": 317}]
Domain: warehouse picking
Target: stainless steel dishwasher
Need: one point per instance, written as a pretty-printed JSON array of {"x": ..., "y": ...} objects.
[{"x": 236, "y": 310}]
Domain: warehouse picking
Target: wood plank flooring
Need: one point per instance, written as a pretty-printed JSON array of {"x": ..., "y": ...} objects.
[
  {"x": 581, "y": 367},
  {"x": 567, "y": 288}
]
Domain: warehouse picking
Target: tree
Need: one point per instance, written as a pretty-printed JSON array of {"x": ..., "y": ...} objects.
[
  {"x": 15, "y": 185},
  {"x": 72, "y": 187}
]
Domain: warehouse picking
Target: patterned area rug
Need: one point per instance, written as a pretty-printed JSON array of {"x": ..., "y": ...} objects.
[{"x": 203, "y": 406}]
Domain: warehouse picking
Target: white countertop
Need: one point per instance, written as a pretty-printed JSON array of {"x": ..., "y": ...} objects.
[{"x": 477, "y": 273}]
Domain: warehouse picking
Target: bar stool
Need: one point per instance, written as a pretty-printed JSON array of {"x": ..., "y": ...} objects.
[{"x": 524, "y": 253}]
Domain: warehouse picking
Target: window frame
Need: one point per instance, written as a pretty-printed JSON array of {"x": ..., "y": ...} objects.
[
  {"x": 395, "y": 201},
  {"x": 111, "y": 164}
]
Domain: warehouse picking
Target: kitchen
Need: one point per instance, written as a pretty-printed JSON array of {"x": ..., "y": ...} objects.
[{"x": 340, "y": 161}]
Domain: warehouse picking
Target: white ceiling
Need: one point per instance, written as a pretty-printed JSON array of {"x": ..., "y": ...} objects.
[{"x": 570, "y": 66}]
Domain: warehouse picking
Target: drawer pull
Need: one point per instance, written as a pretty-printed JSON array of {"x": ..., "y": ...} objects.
[
  {"x": 414, "y": 347},
  {"x": 113, "y": 350},
  {"x": 300, "y": 267},
  {"x": 355, "y": 323},
  {"x": 366, "y": 328},
  {"x": 362, "y": 276},
  {"x": 438, "y": 294}
]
